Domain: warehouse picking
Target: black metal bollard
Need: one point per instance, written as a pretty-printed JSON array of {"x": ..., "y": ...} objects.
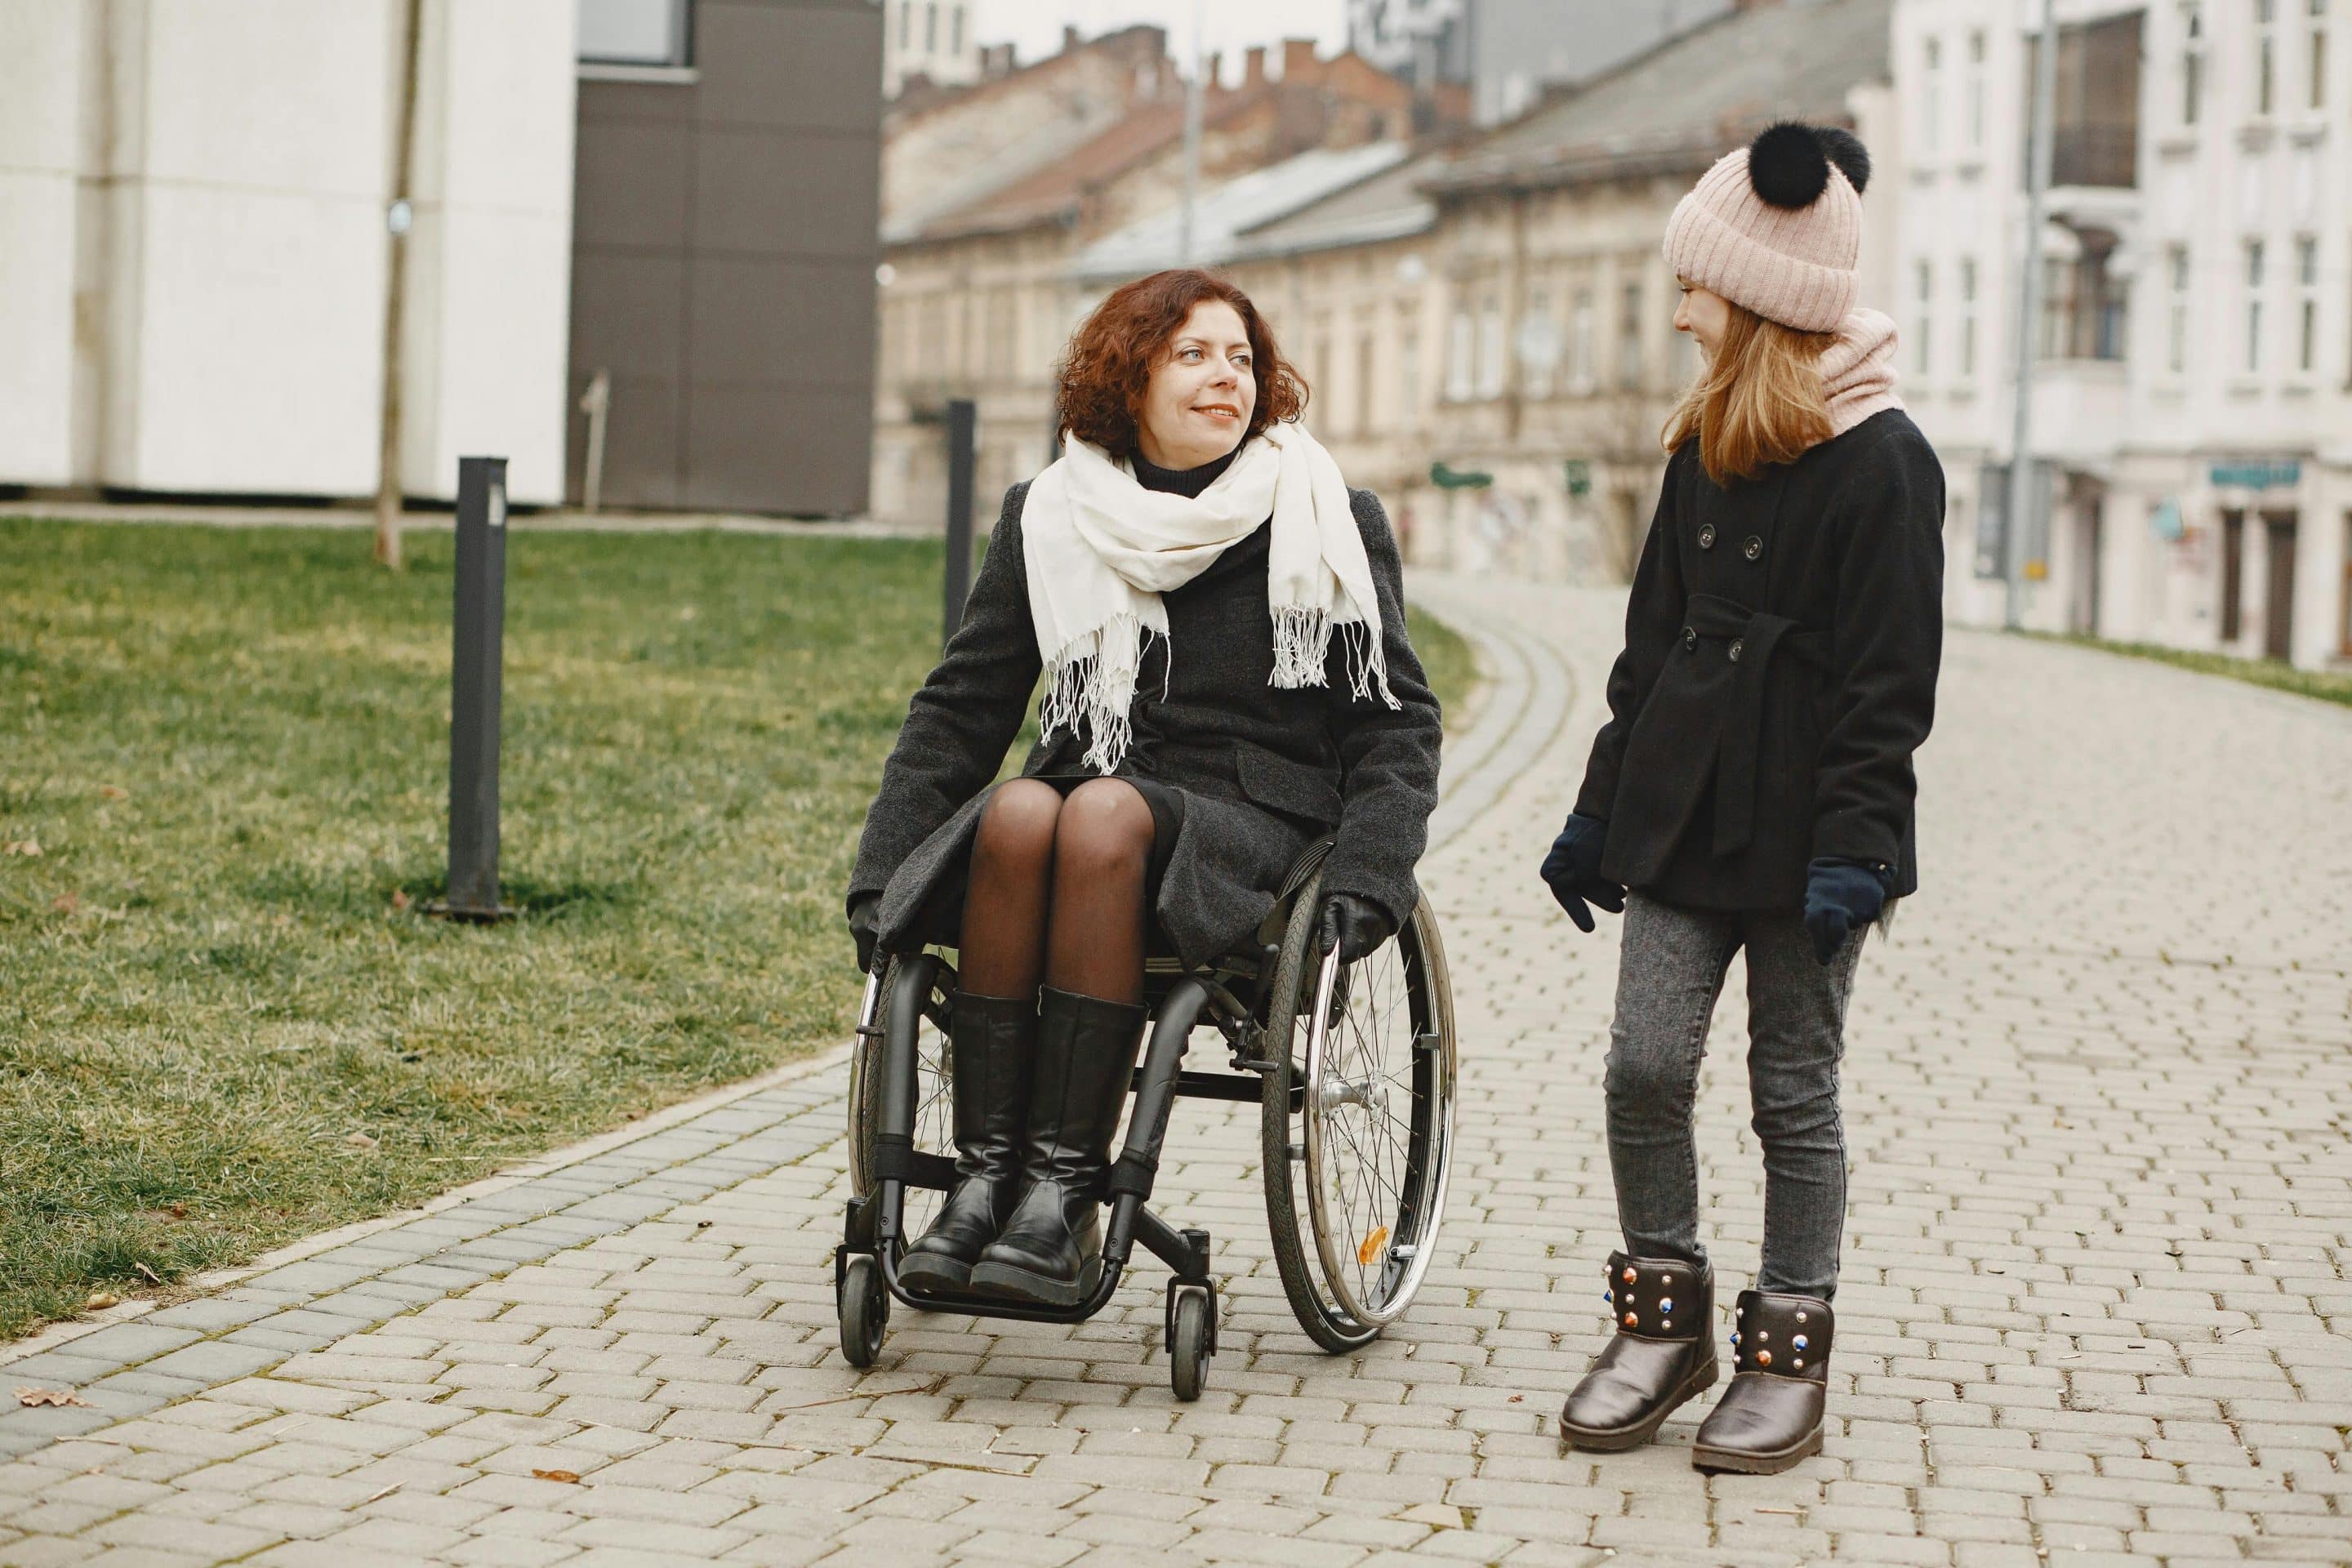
[
  {"x": 963, "y": 459},
  {"x": 473, "y": 691}
]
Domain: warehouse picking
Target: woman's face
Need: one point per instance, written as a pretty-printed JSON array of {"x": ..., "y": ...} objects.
[
  {"x": 1703, "y": 315},
  {"x": 1201, "y": 392}
]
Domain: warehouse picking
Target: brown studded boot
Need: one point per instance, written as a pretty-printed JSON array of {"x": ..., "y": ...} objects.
[
  {"x": 1770, "y": 1417},
  {"x": 1662, "y": 1354}
]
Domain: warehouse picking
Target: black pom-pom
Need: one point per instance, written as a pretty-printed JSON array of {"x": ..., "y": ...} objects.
[
  {"x": 1787, "y": 166},
  {"x": 1846, "y": 150}
]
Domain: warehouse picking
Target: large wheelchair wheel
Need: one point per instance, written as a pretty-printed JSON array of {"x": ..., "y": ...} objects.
[
  {"x": 934, "y": 1086},
  {"x": 1356, "y": 1170}
]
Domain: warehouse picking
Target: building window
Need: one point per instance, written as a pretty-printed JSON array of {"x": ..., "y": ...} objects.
[
  {"x": 2176, "y": 330},
  {"x": 1491, "y": 370},
  {"x": 1364, "y": 384},
  {"x": 2084, "y": 302},
  {"x": 1461, "y": 351},
  {"x": 2253, "y": 305},
  {"x": 1580, "y": 343},
  {"x": 1538, "y": 347},
  {"x": 2306, "y": 282},
  {"x": 1931, "y": 91},
  {"x": 652, "y": 33},
  {"x": 2192, "y": 59},
  {"x": 2315, "y": 57},
  {"x": 1923, "y": 319},
  {"x": 1976, "y": 90},
  {"x": 1629, "y": 337},
  {"x": 2265, "y": 55},
  {"x": 1408, "y": 387},
  {"x": 931, "y": 27},
  {"x": 955, "y": 29},
  {"x": 1968, "y": 317}
]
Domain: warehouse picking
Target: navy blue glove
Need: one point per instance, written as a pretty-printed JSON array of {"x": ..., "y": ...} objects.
[
  {"x": 1354, "y": 925},
  {"x": 1573, "y": 871},
  {"x": 864, "y": 909},
  {"x": 1842, "y": 897}
]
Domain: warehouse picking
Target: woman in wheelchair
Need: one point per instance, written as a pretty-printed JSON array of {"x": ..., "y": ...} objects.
[{"x": 1220, "y": 626}]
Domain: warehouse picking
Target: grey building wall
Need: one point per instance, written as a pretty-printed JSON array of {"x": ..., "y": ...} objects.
[{"x": 724, "y": 243}]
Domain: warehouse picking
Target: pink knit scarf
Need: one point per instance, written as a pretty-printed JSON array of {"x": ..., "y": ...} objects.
[{"x": 1858, "y": 369}]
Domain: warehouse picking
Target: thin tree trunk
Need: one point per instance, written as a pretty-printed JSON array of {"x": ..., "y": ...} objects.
[{"x": 395, "y": 293}]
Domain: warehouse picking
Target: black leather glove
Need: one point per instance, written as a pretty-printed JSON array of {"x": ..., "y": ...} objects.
[
  {"x": 1842, "y": 897},
  {"x": 1354, "y": 925},
  {"x": 865, "y": 908},
  {"x": 1573, "y": 871}
]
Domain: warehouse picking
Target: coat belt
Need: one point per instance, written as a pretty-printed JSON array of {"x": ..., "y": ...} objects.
[{"x": 1755, "y": 637}]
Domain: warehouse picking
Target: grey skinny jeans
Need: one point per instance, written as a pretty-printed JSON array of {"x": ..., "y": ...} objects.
[{"x": 1670, "y": 971}]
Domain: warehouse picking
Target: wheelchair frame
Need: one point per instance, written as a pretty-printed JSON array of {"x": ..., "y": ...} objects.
[{"x": 885, "y": 1163}]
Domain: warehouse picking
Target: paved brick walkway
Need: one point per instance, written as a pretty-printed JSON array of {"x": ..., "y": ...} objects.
[{"x": 2097, "y": 1099}]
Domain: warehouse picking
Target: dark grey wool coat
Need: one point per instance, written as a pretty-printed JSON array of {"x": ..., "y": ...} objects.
[
  {"x": 1781, "y": 649},
  {"x": 1264, "y": 770}
]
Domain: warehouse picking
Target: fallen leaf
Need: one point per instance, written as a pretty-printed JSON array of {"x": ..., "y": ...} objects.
[
  {"x": 66, "y": 903},
  {"x": 114, "y": 792},
  {"x": 177, "y": 1211},
  {"x": 30, "y": 846},
  {"x": 100, "y": 1301},
  {"x": 400, "y": 898},
  {"x": 568, "y": 1476},
  {"x": 359, "y": 1141},
  {"x": 31, "y": 1397},
  {"x": 152, "y": 1277}
]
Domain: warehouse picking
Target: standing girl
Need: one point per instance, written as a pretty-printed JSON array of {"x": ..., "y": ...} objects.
[{"x": 1752, "y": 788}]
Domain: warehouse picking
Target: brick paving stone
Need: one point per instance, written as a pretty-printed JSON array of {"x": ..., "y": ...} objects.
[{"x": 2091, "y": 1311}]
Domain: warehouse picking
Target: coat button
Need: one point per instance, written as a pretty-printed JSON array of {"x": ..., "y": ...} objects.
[
  {"x": 1690, "y": 640},
  {"x": 1706, "y": 536},
  {"x": 1736, "y": 646},
  {"x": 1753, "y": 549}
]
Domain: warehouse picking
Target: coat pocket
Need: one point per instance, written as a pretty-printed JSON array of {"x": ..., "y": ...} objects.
[{"x": 1292, "y": 788}]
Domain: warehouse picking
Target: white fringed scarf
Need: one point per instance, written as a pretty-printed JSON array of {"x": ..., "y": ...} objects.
[{"x": 1100, "y": 551}]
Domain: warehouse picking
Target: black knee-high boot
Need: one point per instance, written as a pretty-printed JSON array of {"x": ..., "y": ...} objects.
[
  {"x": 1051, "y": 1249},
  {"x": 991, "y": 1042}
]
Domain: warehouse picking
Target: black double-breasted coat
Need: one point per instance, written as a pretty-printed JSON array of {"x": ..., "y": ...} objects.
[
  {"x": 1263, "y": 770},
  {"x": 1781, "y": 649}
]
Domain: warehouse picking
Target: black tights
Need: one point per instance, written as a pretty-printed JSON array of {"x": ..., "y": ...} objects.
[{"x": 1056, "y": 891}]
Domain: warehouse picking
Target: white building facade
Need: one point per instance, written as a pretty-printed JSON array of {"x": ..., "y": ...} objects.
[
  {"x": 2192, "y": 396},
  {"x": 193, "y": 200},
  {"x": 934, "y": 38}
]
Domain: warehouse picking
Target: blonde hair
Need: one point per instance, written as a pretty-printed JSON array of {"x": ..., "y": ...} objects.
[{"x": 1759, "y": 401}]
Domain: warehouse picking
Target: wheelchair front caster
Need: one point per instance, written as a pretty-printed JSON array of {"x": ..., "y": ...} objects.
[
  {"x": 1192, "y": 1336},
  {"x": 864, "y": 1303}
]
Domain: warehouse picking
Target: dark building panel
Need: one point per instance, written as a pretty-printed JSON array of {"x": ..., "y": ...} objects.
[
  {"x": 642, "y": 171},
  {"x": 723, "y": 255},
  {"x": 785, "y": 194},
  {"x": 761, "y": 318},
  {"x": 733, "y": 426},
  {"x": 786, "y": 67}
]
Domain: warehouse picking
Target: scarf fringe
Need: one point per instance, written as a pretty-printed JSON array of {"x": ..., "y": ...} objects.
[{"x": 1079, "y": 690}]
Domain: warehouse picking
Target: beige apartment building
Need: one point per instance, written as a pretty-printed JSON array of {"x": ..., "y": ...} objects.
[{"x": 991, "y": 194}]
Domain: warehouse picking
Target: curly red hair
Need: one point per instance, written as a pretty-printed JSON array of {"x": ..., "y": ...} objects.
[{"x": 1112, "y": 354}]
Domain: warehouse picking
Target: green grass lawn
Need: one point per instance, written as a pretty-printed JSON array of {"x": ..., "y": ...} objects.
[
  {"x": 223, "y": 1021},
  {"x": 2328, "y": 686}
]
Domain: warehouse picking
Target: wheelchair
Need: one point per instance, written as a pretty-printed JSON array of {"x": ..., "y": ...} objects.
[{"x": 1352, "y": 1068}]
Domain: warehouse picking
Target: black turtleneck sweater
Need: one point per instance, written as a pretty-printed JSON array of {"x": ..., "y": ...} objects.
[{"x": 1185, "y": 482}]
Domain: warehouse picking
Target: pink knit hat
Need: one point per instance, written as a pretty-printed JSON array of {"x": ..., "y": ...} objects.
[{"x": 1777, "y": 226}]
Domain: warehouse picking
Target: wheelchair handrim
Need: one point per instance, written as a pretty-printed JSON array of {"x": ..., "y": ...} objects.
[{"x": 1417, "y": 1198}]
